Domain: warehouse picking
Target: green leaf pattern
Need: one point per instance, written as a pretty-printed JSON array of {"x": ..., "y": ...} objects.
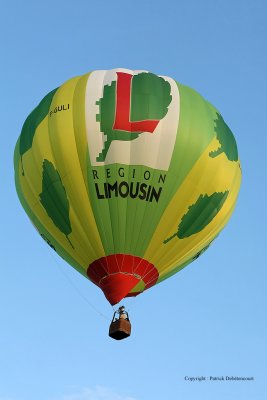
[{"x": 54, "y": 199}]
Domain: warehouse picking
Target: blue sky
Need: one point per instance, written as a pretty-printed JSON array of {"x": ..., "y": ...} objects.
[{"x": 208, "y": 320}]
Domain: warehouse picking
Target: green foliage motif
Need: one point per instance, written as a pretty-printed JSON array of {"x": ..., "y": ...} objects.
[
  {"x": 32, "y": 121},
  {"x": 226, "y": 139},
  {"x": 150, "y": 98},
  {"x": 54, "y": 199},
  {"x": 199, "y": 215}
]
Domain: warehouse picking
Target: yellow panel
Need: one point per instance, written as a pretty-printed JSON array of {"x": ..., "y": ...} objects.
[
  {"x": 70, "y": 168},
  {"x": 54, "y": 140},
  {"x": 209, "y": 175}
]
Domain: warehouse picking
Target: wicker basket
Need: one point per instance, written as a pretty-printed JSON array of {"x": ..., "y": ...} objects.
[{"x": 120, "y": 329}]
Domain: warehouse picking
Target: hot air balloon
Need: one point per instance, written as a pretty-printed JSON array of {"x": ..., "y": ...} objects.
[{"x": 129, "y": 176}]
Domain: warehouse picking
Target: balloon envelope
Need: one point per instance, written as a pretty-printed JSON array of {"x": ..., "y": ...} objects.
[{"x": 127, "y": 175}]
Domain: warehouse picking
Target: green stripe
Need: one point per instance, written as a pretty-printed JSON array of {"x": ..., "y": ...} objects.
[{"x": 195, "y": 132}]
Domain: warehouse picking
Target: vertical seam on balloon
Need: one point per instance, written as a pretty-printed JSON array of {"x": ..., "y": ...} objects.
[
  {"x": 102, "y": 232},
  {"x": 66, "y": 168},
  {"x": 74, "y": 129},
  {"x": 79, "y": 161},
  {"x": 128, "y": 207},
  {"x": 95, "y": 204},
  {"x": 112, "y": 227}
]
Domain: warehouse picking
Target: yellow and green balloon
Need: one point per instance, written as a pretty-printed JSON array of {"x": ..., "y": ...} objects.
[{"x": 127, "y": 175}]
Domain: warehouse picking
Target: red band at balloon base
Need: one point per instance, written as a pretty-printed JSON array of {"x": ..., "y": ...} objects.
[{"x": 118, "y": 274}]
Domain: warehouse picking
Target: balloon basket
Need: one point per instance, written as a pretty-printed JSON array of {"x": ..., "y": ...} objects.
[{"x": 120, "y": 329}]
